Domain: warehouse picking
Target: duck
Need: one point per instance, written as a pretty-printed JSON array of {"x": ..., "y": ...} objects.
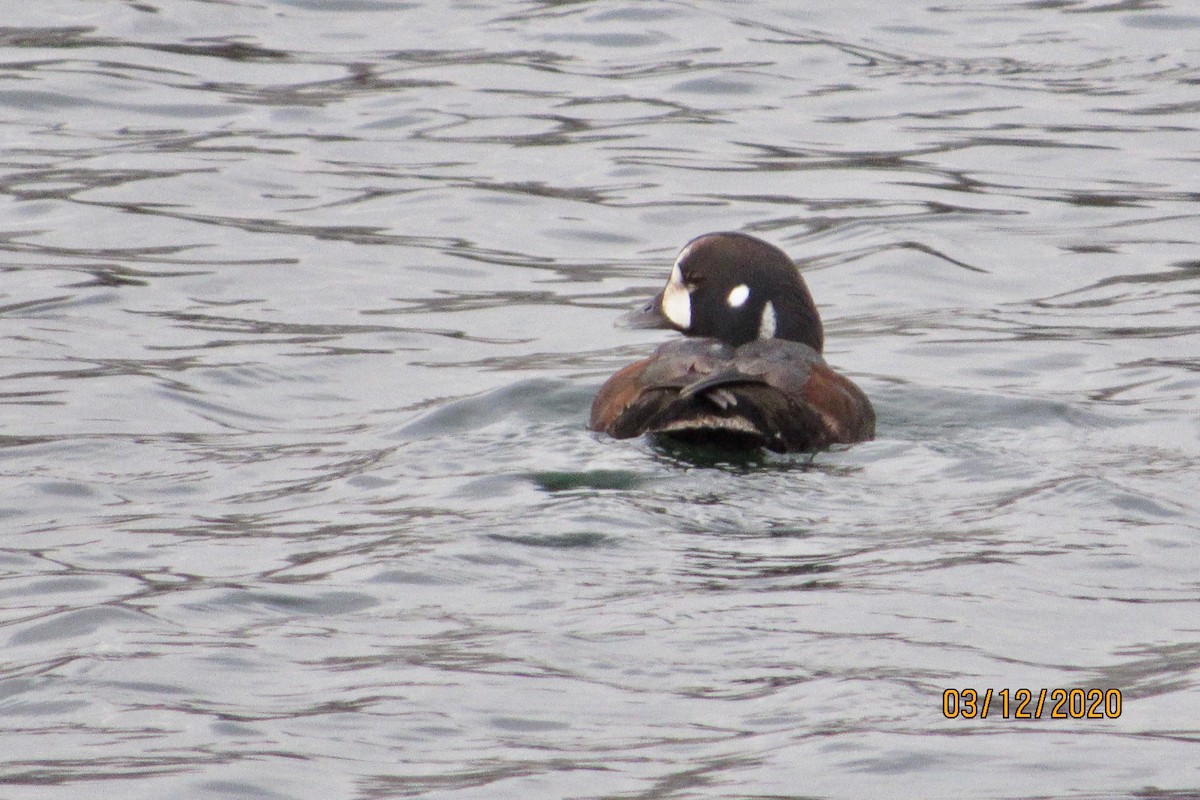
[{"x": 749, "y": 372}]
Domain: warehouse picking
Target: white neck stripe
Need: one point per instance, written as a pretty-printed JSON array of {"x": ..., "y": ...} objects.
[{"x": 766, "y": 324}]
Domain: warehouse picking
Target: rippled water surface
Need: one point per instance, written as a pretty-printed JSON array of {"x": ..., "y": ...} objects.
[{"x": 304, "y": 303}]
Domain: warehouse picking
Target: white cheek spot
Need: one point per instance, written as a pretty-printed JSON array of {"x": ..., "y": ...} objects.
[
  {"x": 677, "y": 300},
  {"x": 766, "y": 325},
  {"x": 737, "y": 295}
]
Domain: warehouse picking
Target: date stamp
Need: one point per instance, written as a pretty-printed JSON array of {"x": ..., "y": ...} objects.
[{"x": 1031, "y": 703}]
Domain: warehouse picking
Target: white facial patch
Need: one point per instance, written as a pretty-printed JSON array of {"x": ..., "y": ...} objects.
[
  {"x": 737, "y": 295},
  {"x": 677, "y": 300},
  {"x": 766, "y": 325}
]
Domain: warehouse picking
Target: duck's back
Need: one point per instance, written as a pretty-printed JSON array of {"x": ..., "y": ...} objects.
[{"x": 769, "y": 393}]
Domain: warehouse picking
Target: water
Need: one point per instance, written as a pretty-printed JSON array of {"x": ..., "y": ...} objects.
[{"x": 303, "y": 305}]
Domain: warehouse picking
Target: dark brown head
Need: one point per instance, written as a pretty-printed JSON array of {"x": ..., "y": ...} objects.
[{"x": 735, "y": 288}]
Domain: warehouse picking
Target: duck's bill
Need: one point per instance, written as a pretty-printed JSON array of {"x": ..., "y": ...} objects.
[{"x": 650, "y": 316}]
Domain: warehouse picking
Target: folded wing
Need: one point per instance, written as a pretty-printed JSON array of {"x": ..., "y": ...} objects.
[{"x": 781, "y": 397}]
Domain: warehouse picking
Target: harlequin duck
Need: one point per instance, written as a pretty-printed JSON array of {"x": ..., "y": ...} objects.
[{"x": 751, "y": 374}]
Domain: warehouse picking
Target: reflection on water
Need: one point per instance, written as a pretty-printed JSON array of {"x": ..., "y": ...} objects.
[{"x": 304, "y": 304}]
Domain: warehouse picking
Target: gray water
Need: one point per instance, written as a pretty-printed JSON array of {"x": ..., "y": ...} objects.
[{"x": 304, "y": 303}]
